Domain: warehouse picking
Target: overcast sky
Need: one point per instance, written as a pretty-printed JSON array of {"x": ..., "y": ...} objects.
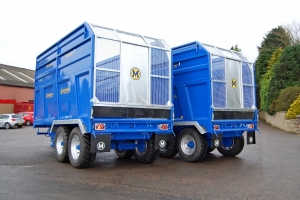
[{"x": 28, "y": 27}]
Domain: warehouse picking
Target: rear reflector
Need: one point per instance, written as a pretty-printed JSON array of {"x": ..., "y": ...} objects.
[
  {"x": 163, "y": 126},
  {"x": 216, "y": 127},
  {"x": 250, "y": 126},
  {"x": 99, "y": 127}
]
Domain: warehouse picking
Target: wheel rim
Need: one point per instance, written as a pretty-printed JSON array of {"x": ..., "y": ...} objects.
[
  {"x": 75, "y": 147},
  {"x": 59, "y": 143},
  {"x": 188, "y": 145},
  {"x": 7, "y": 126},
  {"x": 28, "y": 123},
  {"x": 138, "y": 152}
]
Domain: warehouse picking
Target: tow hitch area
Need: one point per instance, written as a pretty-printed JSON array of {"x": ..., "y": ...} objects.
[
  {"x": 100, "y": 143},
  {"x": 216, "y": 141},
  {"x": 162, "y": 141},
  {"x": 251, "y": 137}
]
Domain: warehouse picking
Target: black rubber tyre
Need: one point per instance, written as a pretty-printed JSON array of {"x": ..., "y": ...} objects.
[
  {"x": 209, "y": 149},
  {"x": 61, "y": 143},
  {"x": 124, "y": 154},
  {"x": 235, "y": 149},
  {"x": 79, "y": 149},
  {"x": 150, "y": 154},
  {"x": 191, "y": 145},
  {"x": 7, "y": 125},
  {"x": 171, "y": 151},
  {"x": 19, "y": 126}
]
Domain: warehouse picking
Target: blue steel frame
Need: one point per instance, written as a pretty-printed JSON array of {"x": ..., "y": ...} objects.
[
  {"x": 64, "y": 82},
  {"x": 192, "y": 94},
  {"x": 58, "y": 79}
]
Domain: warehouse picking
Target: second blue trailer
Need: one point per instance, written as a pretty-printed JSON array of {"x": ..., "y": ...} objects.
[{"x": 214, "y": 101}]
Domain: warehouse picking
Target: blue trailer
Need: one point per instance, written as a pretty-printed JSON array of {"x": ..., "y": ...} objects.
[
  {"x": 214, "y": 102},
  {"x": 100, "y": 89}
]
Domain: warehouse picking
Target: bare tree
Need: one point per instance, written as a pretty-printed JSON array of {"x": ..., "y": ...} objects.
[{"x": 293, "y": 29}]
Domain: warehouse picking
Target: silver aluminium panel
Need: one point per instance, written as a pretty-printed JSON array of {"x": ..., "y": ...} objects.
[
  {"x": 128, "y": 74},
  {"x": 234, "y": 84},
  {"x": 135, "y": 75}
]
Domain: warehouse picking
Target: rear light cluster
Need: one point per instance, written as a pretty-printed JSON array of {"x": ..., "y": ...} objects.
[
  {"x": 13, "y": 119},
  {"x": 100, "y": 127},
  {"x": 163, "y": 126},
  {"x": 216, "y": 127},
  {"x": 251, "y": 126}
]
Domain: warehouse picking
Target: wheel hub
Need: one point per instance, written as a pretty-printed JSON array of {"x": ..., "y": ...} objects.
[
  {"x": 141, "y": 150},
  {"x": 188, "y": 145},
  {"x": 59, "y": 143},
  {"x": 75, "y": 147}
]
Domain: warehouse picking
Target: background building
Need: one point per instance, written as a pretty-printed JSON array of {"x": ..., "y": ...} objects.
[{"x": 16, "y": 85}]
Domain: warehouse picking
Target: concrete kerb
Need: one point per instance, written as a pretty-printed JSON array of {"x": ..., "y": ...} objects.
[{"x": 278, "y": 120}]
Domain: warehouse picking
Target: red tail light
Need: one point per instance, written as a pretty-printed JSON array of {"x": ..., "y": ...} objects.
[
  {"x": 216, "y": 127},
  {"x": 13, "y": 119},
  {"x": 99, "y": 127},
  {"x": 250, "y": 126},
  {"x": 163, "y": 126}
]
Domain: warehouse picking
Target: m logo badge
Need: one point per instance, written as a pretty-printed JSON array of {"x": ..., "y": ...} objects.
[
  {"x": 233, "y": 83},
  {"x": 135, "y": 73},
  {"x": 100, "y": 146}
]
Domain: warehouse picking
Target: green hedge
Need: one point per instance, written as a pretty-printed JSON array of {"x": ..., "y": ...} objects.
[
  {"x": 265, "y": 101},
  {"x": 286, "y": 73},
  {"x": 286, "y": 97},
  {"x": 294, "y": 109}
]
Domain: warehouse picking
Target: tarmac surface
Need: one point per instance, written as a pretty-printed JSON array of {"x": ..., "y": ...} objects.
[{"x": 269, "y": 169}]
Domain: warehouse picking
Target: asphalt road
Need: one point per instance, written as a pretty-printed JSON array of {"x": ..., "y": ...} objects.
[{"x": 269, "y": 169}]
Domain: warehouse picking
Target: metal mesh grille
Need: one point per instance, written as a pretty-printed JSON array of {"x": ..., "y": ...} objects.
[
  {"x": 108, "y": 54},
  {"x": 218, "y": 69},
  {"x": 110, "y": 63},
  {"x": 159, "y": 62},
  {"x": 248, "y": 96},
  {"x": 246, "y": 74},
  {"x": 107, "y": 73},
  {"x": 247, "y": 85},
  {"x": 159, "y": 83},
  {"x": 219, "y": 85},
  {"x": 159, "y": 90},
  {"x": 219, "y": 94},
  {"x": 107, "y": 86}
]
